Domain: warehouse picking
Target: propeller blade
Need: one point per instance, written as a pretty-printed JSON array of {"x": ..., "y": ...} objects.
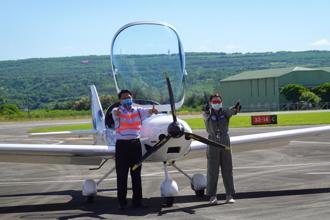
[
  {"x": 196, "y": 137},
  {"x": 154, "y": 149},
  {"x": 170, "y": 93}
]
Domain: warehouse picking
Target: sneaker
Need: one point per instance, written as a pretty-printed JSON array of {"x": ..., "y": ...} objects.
[
  {"x": 230, "y": 199},
  {"x": 213, "y": 200}
]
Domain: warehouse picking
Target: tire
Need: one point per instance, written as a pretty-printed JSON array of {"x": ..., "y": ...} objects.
[
  {"x": 169, "y": 201},
  {"x": 200, "y": 193},
  {"x": 90, "y": 199}
]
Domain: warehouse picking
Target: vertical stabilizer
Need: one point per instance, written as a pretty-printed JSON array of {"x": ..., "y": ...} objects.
[{"x": 97, "y": 116}]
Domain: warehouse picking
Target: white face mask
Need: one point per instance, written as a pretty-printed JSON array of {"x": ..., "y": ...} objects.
[{"x": 216, "y": 106}]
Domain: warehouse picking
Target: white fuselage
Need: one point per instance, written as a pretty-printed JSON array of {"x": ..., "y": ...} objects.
[{"x": 152, "y": 129}]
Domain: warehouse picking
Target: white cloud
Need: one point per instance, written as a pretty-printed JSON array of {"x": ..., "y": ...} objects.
[{"x": 321, "y": 42}]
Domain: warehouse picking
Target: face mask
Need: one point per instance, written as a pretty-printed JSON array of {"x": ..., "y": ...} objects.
[
  {"x": 128, "y": 102},
  {"x": 216, "y": 106}
]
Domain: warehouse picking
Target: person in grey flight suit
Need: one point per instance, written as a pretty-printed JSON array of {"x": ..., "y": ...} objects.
[{"x": 216, "y": 122}]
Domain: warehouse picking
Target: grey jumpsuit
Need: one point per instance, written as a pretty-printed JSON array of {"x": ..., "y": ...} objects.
[{"x": 216, "y": 124}]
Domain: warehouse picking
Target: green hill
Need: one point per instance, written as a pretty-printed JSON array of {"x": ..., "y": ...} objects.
[{"x": 39, "y": 83}]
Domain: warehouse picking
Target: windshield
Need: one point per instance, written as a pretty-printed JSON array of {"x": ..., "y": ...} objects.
[{"x": 141, "y": 54}]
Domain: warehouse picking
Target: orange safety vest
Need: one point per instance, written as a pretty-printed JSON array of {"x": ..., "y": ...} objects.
[{"x": 129, "y": 123}]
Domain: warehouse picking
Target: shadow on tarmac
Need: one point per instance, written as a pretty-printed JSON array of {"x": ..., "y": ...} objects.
[{"x": 108, "y": 205}]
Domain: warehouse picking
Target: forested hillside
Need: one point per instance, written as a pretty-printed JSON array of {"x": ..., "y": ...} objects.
[{"x": 47, "y": 82}]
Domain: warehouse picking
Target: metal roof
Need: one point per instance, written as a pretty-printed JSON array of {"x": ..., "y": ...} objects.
[{"x": 270, "y": 73}]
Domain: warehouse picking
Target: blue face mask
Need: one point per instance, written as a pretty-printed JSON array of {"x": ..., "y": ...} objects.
[
  {"x": 128, "y": 102},
  {"x": 216, "y": 106}
]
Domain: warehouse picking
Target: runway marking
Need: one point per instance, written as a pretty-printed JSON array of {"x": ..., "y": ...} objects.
[
  {"x": 79, "y": 138},
  {"x": 310, "y": 142},
  {"x": 319, "y": 173},
  {"x": 155, "y": 174},
  {"x": 43, "y": 182},
  {"x": 283, "y": 165}
]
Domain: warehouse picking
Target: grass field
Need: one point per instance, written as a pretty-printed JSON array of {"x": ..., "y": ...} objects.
[
  {"x": 310, "y": 118},
  {"x": 43, "y": 114},
  {"x": 63, "y": 128},
  {"x": 282, "y": 120}
]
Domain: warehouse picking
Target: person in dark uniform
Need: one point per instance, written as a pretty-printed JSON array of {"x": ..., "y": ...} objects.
[
  {"x": 128, "y": 120},
  {"x": 216, "y": 119}
]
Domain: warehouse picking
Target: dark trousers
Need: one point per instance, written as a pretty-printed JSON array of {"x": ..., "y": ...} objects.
[{"x": 128, "y": 153}]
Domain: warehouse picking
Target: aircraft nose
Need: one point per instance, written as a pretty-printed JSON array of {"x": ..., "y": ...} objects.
[{"x": 175, "y": 129}]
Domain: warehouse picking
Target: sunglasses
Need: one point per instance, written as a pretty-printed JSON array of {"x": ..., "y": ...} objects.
[{"x": 216, "y": 101}]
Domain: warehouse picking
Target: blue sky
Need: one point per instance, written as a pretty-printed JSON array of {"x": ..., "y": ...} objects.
[{"x": 45, "y": 28}]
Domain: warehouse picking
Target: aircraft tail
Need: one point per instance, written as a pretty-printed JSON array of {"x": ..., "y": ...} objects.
[{"x": 97, "y": 115}]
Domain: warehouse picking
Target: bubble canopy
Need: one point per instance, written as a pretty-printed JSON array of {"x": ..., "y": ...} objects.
[{"x": 141, "y": 52}]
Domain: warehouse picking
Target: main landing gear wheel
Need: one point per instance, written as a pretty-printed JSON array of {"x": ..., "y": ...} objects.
[
  {"x": 169, "y": 201},
  {"x": 90, "y": 199},
  {"x": 200, "y": 193},
  {"x": 89, "y": 190}
]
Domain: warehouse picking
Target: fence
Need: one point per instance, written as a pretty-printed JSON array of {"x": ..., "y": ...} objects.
[{"x": 285, "y": 106}]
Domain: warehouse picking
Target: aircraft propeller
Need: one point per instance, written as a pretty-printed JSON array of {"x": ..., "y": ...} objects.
[{"x": 175, "y": 130}]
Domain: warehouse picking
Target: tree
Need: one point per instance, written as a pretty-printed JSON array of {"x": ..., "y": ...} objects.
[
  {"x": 308, "y": 96},
  {"x": 194, "y": 100},
  {"x": 63, "y": 105},
  {"x": 107, "y": 100},
  {"x": 292, "y": 92},
  {"x": 82, "y": 104},
  {"x": 323, "y": 91},
  {"x": 9, "y": 109},
  {"x": 2, "y": 95}
]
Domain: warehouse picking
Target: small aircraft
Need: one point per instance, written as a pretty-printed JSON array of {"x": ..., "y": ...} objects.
[{"x": 147, "y": 58}]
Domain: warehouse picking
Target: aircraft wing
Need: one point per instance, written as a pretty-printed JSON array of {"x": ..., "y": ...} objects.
[
  {"x": 250, "y": 138},
  {"x": 55, "y": 154},
  {"x": 75, "y": 132}
]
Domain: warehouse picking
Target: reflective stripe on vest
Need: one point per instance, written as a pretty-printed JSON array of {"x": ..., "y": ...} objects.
[
  {"x": 134, "y": 115},
  {"x": 129, "y": 122}
]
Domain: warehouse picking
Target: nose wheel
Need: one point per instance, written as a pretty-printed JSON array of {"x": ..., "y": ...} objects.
[
  {"x": 169, "y": 201},
  {"x": 90, "y": 199},
  {"x": 199, "y": 193},
  {"x": 168, "y": 188}
]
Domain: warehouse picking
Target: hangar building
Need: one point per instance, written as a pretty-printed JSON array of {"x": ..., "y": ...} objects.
[{"x": 259, "y": 90}]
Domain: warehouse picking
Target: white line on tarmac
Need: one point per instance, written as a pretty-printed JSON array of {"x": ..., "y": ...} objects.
[
  {"x": 37, "y": 124},
  {"x": 13, "y": 182},
  {"x": 283, "y": 165},
  {"x": 319, "y": 173},
  {"x": 310, "y": 142}
]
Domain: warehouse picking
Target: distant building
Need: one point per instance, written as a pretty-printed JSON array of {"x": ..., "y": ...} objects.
[
  {"x": 259, "y": 90},
  {"x": 84, "y": 62}
]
